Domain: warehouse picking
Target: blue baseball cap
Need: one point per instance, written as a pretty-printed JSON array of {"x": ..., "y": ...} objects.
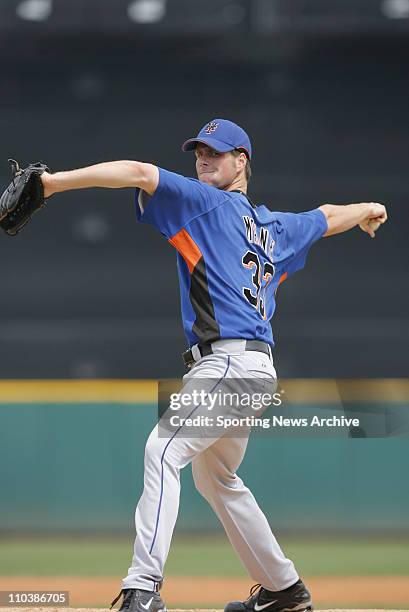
[{"x": 222, "y": 135}]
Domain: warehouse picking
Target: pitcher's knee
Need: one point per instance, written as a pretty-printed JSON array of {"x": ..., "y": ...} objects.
[
  {"x": 173, "y": 452},
  {"x": 211, "y": 479}
]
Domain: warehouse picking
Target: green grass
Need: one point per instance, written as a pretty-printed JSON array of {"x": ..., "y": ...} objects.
[
  {"x": 350, "y": 556},
  {"x": 205, "y": 555}
]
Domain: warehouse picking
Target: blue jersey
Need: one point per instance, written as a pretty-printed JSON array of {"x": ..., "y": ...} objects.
[{"x": 231, "y": 256}]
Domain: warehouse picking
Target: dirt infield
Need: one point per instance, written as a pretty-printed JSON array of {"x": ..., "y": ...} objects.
[
  {"x": 175, "y": 610},
  {"x": 211, "y": 592},
  {"x": 178, "y": 610}
]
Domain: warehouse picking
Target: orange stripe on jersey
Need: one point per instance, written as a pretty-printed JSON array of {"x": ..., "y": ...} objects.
[
  {"x": 283, "y": 277},
  {"x": 187, "y": 247}
]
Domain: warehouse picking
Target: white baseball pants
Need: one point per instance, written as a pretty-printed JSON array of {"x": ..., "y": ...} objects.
[{"x": 214, "y": 465}]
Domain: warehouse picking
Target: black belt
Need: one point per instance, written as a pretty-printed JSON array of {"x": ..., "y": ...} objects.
[{"x": 206, "y": 349}]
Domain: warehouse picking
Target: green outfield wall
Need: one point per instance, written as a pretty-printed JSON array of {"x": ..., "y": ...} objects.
[{"x": 79, "y": 466}]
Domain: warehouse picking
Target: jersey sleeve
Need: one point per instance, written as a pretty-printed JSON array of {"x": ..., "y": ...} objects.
[
  {"x": 296, "y": 233},
  {"x": 176, "y": 201}
]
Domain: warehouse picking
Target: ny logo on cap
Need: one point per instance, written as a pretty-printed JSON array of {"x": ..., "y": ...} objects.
[{"x": 211, "y": 127}]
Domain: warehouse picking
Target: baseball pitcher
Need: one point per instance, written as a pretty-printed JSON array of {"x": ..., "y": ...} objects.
[{"x": 231, "y": 256}]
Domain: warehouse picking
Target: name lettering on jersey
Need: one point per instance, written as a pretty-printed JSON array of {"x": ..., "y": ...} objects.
[{"x": 260, "y": 236}]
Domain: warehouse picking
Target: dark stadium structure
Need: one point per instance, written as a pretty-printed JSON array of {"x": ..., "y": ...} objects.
[{"x": 322, "y": 90}]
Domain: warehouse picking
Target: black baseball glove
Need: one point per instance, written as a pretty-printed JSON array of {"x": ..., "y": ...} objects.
[{"x": 23, "y": 196}]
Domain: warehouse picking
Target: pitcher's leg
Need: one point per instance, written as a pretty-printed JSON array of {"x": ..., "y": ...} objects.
[
  {"x": 157, "y": 509},
  {"x": 245, "y": 524},
  {"x": 165, "y": 454}
]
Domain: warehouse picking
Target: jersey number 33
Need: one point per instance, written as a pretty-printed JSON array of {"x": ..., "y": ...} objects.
[{"x": 262, "y": 276}]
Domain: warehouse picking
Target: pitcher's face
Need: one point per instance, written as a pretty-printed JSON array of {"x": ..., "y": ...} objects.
[{"x": 217, "y": 169}]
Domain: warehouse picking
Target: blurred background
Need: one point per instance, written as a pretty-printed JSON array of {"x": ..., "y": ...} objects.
[
  {"x": 321, "y": 86},
  {"x": 322, "y": 89}
]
